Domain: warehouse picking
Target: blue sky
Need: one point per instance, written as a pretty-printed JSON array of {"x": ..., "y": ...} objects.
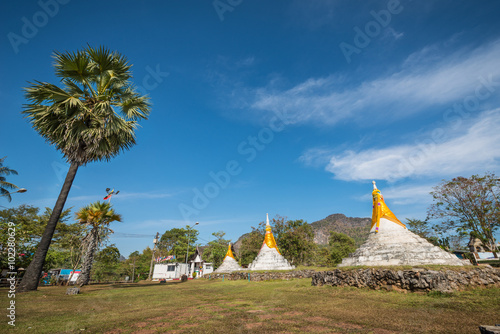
[{"x": 289, "y": 107}]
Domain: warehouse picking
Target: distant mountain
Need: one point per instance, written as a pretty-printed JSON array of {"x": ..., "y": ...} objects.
[
  {"x": 237, "y": 244},
  {"x": 356, "y": 228}
]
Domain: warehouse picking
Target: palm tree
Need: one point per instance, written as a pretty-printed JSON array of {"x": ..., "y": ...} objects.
[
  {"x": 4, "y": 185},
  {"x": 97, "y": 216},
  {"x": 91, "y": 118}
]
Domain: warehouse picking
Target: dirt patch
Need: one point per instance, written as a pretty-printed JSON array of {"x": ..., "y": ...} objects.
[
  {"x": 253, "y": 325},
  {"x": 141, "y": 324},
  {"x": 383, "y": 331},
  {"x": 318, "y": 329},
  {"x": 115, "y": 331},
  {"x": 145, "y": 331},
  {"x": 316, "y": 319},
  {"x": 345, "y": 325},
  {"x": 267, "y": 316},
  {"x": 286, "y": 321},
  {"x": 293, "y": 313},
  {"x": 255, "y": 311}
]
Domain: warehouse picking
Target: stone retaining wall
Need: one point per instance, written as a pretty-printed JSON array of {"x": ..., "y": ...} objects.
[
  {"x": 262, "y": 276},
  {"x": 410, "y": 280}
]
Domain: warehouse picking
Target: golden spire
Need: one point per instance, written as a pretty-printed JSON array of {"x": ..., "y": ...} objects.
[
  {"x": 380, "y": 210},
  {"x": 269, "y": 238},
  {"x": 229, "y": 252}
]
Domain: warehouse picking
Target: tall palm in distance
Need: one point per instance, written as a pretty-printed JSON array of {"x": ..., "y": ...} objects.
[
  {"x": 91, "y": 117},
  {"x": 6, "y": 187},
  {"x": 97, "y": 216}
]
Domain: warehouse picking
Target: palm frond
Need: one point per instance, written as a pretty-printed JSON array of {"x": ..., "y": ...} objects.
[
  {"x": 93, "y": 116},
  {"x": 72, "y": 65}
]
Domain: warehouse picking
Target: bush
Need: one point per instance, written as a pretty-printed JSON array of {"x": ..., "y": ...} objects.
[{"x": 341, "y": 246}]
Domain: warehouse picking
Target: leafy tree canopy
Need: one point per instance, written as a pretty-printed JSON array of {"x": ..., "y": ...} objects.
[
  {"x": 29, "y": 227},
  {"x": 469, "y": 205},
  {"x": 216, "y": 249},
  {"x": 175, "y": 242},
  {"x": 295, "y": 240},
  {"x": 341, "y": 246},
  {"x": 106, "y": 264}
]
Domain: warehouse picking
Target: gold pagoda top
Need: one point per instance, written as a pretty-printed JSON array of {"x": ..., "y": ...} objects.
[
  {"x": 269, "y": 237},
  {"x": 380, "y": 210},
  {"x": 229, "y": 252}
]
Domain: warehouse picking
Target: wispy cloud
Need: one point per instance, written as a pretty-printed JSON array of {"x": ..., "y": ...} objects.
[
  {"x": 390, "y": 33},
  {"x": 316, "y": 157},
  {"x": 471, "y": 148},
  {"x": 426, "y": 78}
]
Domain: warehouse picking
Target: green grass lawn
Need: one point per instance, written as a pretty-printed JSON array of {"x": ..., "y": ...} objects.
[{"x": 203, "y": 306}]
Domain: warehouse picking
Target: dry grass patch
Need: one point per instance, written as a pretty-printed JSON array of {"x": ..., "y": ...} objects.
[{"x": 259, "y": 307}]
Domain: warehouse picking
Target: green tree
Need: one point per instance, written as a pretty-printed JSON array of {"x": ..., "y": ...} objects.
[
  {"x": 97, "y": 216},
  {"x": 216, "y": 249},
  {"x": 296, "y": 241},
  {"x": 320, "y": 256},
  {"x": 420, "y": 227},
  {"x": 29, "y": 227},
  {"x": 91, "y": 118},
  {"x": 137, "y": 264},
  {"x": 70, "y": 242},
  {"x": 107, "y": 263},
  {"x": 175, "y": 242},
  {"x": 6, "y": 187},
  {"x": 250, "y": 246},
  {"x": 470, "y": 205},
  {"x": 341, "y": 246},
  {"x": 435, "y": 234}
]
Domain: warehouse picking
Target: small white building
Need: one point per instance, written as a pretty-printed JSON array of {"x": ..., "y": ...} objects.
[
  {"x": 198, "y": 266},
  {"x": 176, "y": 270},
  {"x": 169, "y": 270}
]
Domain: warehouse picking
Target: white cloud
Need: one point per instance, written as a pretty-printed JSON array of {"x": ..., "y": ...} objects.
[
  {"x": 472, "y": 149},
  {"x": 426, "y": 78},
  {"x": 315, "y": 157}
]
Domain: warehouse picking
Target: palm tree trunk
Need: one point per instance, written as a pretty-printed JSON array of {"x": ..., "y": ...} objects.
[
  {"x": 84, "y": 277},
  {"x": 34, "y": 270}
]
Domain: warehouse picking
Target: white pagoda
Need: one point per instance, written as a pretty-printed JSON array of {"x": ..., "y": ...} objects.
[
  {"x": 269, "y": 257},
  {"x": 390, "y": 243},
  {"x": 229, "y": 264}
]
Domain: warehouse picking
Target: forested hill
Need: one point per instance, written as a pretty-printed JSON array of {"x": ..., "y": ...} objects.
[
  {"x": 356, "y": 228},
  {"x": 237, "y": 244}
]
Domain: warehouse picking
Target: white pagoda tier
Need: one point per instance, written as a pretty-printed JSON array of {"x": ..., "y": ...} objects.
[
  {"x": 269, "y": 257},
  {"x": 229, "y": 264},
  {"x": 391, "y": 244}
]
